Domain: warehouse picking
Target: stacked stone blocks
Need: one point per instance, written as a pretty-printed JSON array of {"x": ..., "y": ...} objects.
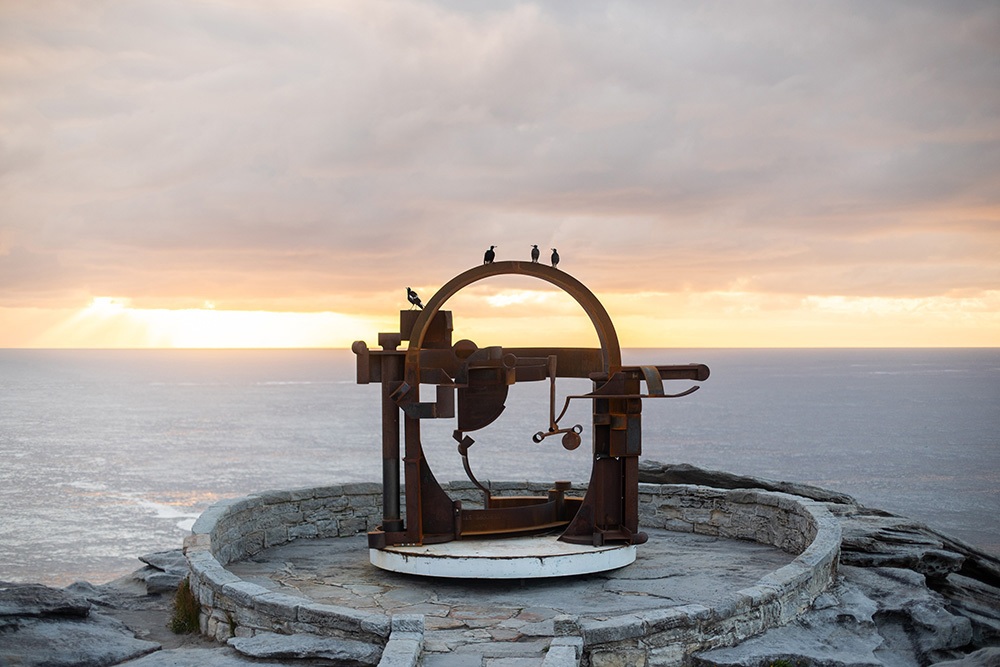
[{"x": 234, "y": 530}]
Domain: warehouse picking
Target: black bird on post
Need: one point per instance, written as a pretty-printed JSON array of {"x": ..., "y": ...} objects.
[
  {"x": 412, "y": 297},
  {"x": 489, "y": 256},
  {"x": 555, "y": 258},
  {"x": 534, "y": 254}
]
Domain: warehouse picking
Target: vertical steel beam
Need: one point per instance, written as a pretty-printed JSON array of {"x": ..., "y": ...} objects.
[{"x": 392, "y": 373}]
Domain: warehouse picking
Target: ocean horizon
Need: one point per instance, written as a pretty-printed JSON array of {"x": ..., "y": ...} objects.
[{"x": 110, "y": 454}]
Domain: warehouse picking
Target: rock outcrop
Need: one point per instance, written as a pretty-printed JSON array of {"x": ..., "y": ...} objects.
[
  {"x": 908, "y": 595},
  {"x": 45, "y": 626}
]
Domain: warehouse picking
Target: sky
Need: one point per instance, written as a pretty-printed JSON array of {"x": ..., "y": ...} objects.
[{"x": 244, "y": 173}]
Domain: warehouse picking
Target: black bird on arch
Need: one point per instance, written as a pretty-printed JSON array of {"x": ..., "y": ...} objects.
[
  {"x": 412, "y": 297},
  {"x": 555, "y": 258},
  {"x": 534, "y": 253},
  {"x": 490, "y": 255}
]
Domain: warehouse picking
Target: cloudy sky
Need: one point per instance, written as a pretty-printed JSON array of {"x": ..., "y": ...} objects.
[{"x": 254, "y": 173}]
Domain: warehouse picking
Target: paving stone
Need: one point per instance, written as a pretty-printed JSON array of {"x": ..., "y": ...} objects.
[
  {"x": 512, "y": 662},
  {"x": 437, "y": 623},
  {"x": 200, "y": 657},
  {"x": 448, "y": 660},
  {"x": 481, "y": 617},
  {"x": 504, "y": 634},
  {"x": 273, "y": 646},
  {"x": 536, "y": 614}
]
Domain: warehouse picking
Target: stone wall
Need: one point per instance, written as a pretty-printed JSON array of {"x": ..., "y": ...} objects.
[
  {"x": 791, "y": 523},
  {"x": 234, "y": 530}
]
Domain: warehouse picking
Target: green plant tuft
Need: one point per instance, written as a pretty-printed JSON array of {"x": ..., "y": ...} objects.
[{"x": 184, "y": 619}]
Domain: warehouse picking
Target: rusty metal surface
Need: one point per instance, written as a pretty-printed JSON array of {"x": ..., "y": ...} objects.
[{"x": 472, "y": 384}]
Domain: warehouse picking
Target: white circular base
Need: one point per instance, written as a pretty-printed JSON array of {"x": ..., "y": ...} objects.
[{"x": 508, "y": 558}]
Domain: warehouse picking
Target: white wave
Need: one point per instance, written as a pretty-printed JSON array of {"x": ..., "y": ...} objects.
[{"x": 162, "y": 511}]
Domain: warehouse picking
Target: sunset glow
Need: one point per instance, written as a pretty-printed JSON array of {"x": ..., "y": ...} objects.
[
  {"x": 109, "y": 322},
  {"x": 219, "y": 174},
  {"x": 519, "y": 317}
]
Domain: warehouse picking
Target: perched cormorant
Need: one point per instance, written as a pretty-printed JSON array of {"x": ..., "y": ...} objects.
[
  {"x": 534, "y": 253},
  {"x": 489, "y": 256},
  {"x": 413, "y": 298},
  {"x": 555, "y": 258}
]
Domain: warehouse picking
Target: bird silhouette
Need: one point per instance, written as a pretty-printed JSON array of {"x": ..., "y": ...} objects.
[
  {"x": 412, "y": 297},
  {"x": 534, "y": 253},
  {"x": 490, "y": 255},
  {"x": 555, "y": 258}
]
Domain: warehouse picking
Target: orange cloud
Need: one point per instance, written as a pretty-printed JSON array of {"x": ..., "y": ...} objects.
[{"x": 317, "y": 158}]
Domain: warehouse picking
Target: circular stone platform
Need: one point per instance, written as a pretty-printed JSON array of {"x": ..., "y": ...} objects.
[
  {"x": 720, "y": 565},
  {"x": 512, "y": 558}
]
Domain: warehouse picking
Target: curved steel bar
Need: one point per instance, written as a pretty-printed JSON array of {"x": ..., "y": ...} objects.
[
  {"x": 610, "y": 348},
  {"x": 472, "y": 478},
  {"x": 568, "y": 398},
  {"x": 431, "y": 506}
]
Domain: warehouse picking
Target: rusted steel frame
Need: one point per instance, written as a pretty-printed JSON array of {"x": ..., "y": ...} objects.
[
  {"x": 551, "y": 367},
  {"x": 411, "y": 469},
  {"x": 608, "y": 337},
  {"x": 363, "y": 369},
  {"x": 464, "y": 442},
  {"x": 610, "y": 508},
  {"x": 698, "y": 372},
  {"x": 572, "y": 362},
  {"x": 391, "y": 518},
  {"x": 416, "y": 470},
  {"x": 562, "y": 414},
  {"x": 386, "y": 367},
  {"x": 430, "y": 516},
  {"x": 532, "y": 514},
  {"x": 629, "y": 456},
  {"x": 653, "y": 376}
]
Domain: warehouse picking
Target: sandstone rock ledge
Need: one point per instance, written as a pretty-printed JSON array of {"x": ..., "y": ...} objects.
[{"x": 906, "y": 596}]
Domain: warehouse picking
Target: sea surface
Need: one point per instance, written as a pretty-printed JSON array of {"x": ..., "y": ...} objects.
[{"x": 107, "y": 455}]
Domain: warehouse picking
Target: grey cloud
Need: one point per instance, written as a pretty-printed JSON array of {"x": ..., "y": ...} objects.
[{"x": 340, "y": 144}]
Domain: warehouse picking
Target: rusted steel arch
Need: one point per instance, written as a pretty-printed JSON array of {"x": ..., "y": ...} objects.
[{"x": 611, "y": 353}]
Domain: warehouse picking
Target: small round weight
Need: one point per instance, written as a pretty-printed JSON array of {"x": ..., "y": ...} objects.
[{"x": 571, "y": 440}]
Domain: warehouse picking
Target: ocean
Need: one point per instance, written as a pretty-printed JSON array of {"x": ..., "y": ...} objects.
[{"x": 109, "y": 454}]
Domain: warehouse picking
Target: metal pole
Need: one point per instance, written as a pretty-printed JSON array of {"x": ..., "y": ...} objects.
[{"x": 391, "y": 374}]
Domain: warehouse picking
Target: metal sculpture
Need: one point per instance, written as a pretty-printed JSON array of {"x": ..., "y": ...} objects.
[{"x": 481, "y": 377}]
